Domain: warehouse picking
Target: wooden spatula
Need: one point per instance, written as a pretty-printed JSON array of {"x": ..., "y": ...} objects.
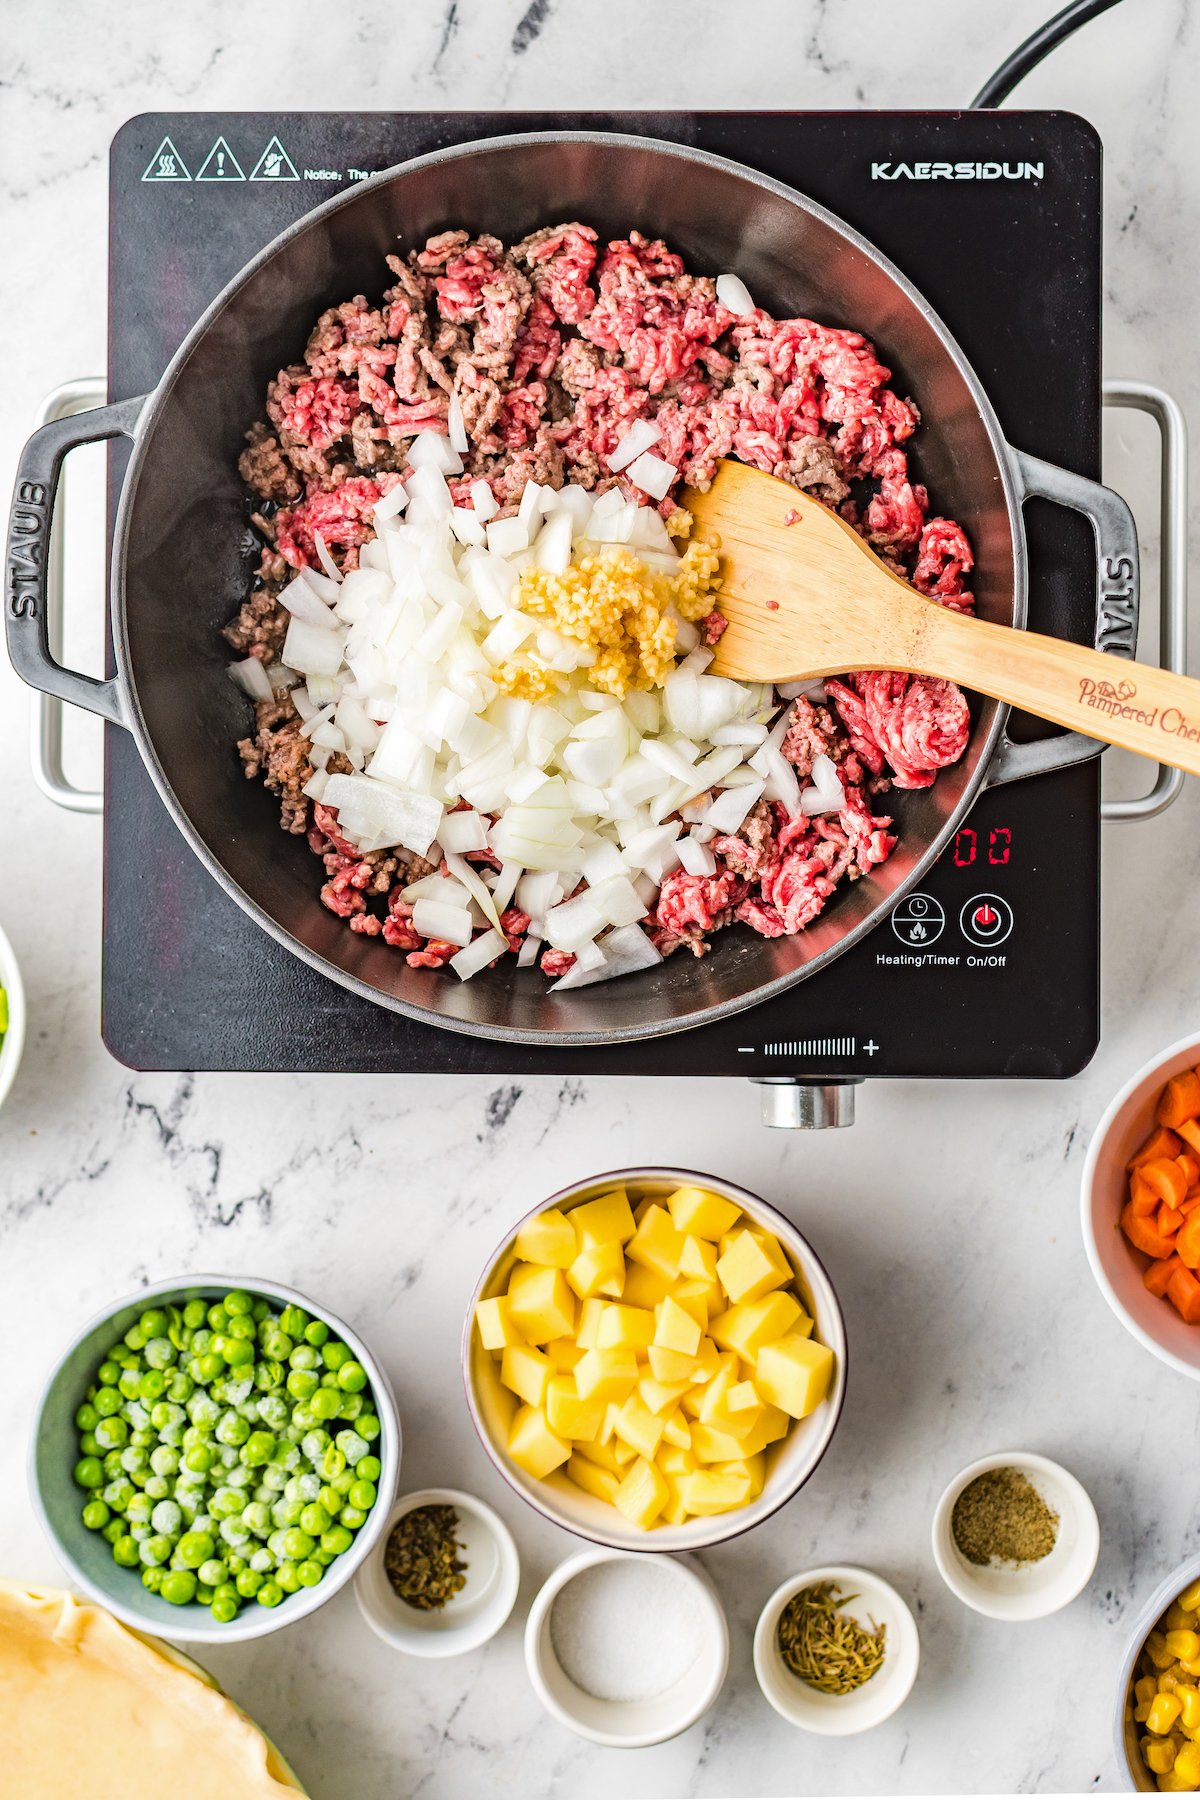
[{"x": 809, "y": 598}]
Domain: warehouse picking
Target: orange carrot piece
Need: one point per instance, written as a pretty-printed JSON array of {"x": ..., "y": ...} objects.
[
  {"x": 1180, "y": 1099},
  {"x": 1183, "y": 1291},
  {"x": 1159, "y": 1143},
  {"x": 1169, "y": 1220},
  {"x": 1187, "y": 1243},
  {"x": 1166, "y": 1178},
  {"x": 1190, "y": 1204},
  {"x": 1190, "y": 1167},
  {"x": 1190, "y": 1132},
  {"x": 1158, "y": 1276},
  {"x": 1144, "y": 1235},
  {"x": 1142, "y": 1197}
]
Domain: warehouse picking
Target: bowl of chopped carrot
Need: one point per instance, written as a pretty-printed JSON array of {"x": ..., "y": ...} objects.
[{"x": 1141, "y": 1206}]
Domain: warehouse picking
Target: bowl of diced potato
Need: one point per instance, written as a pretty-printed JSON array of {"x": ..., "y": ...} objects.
[
  {"x": 1140, "y": 1206},
  {"x": 655, "y": 1359}
]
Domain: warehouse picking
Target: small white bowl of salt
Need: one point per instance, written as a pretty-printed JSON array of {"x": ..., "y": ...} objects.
[{"x": 627, "y": 1650}]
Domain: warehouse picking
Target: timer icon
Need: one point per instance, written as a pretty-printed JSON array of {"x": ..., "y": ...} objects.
[
  {"x": 919, "y": 920},
  {"x": 986, "y": 919}
]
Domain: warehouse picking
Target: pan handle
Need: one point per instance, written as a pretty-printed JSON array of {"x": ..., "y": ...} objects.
[
  {"x": 29, "y": 525},
  {"x": 1117, "y": 588}
]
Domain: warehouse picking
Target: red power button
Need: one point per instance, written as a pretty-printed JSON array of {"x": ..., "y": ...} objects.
[{"x": 986, "y": 919}]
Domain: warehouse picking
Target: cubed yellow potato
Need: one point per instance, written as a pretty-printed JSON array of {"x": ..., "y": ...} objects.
[
  {"x": 707, "y": 1491},
  {"x": 496, "y": 1328},
  {"x": 598, "y": 1271},
  {"x": 669, "y": 1365},
  {"x": 656, "y": 1244},
  {"x": 746, "y": 1328},
  {"x": 674, "y": 1512},
  {"x": 692, "y": 1401},
  {"x": 590, "y": 1314},
  {"x": 708, "y": 1361},
  {"x": 676, "y": 1329},
  {"x": 752, "y": 1266},
  {"x": 743, "y": 1396},
  {"x": 676, "y": 1459},
  {"x": 794, "y": 1373},
  {"x": 622, "y": 1452},
  {"x": 638, "y": 1426},
  {"x": 543, "y": 1306},
  {"x": 631, "y": 1325},
  {"x": 593, "y": 1479},
  {"x": 564, "y": 1353},
  {"x": 549, "y": 1239},
  {"x": 645, "y": 1287},
  {"x": 661, "y": 1396},
  {"x": 716, "y": 1411},
  {"x": 698, "y": 1213},
  {"x": 676, "y": 1431},
  {"x": 533, "y": 1445},
  {"x": 527, "y": 1372},
  {"x": 603, "y": 1455},
  {"x": 754, "y": 1468},
  {"x": 606, "y": 1220},
  {"x": 712, "y": 1446},
  {"x": 608, "y": 1374},
  {"x": 700, "y": 1298},
  {"x": 773, "y": 1423},
  {"x": 642, "y": 1495},
  {"x": 699, "y": 1259},
  {"x": 568, "y": 1414}
]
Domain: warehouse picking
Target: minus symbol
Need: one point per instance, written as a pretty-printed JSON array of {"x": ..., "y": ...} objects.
[{"x": 745, "y": 1049}]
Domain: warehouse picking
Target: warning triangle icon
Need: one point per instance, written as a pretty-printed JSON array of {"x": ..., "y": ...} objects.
[
  {"x": 220, "y": 164},
  {"x": 166, "y": 164},
  {"x": 274, "y": 164}
]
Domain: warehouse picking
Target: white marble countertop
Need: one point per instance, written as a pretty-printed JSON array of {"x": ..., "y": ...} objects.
[{"x": 947, "y": 1217}]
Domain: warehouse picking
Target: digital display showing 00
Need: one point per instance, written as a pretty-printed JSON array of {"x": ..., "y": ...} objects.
[{"x": 967, "y": 847}]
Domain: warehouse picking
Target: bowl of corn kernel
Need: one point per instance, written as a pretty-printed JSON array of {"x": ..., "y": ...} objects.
[
  {"x": 1158, "y": 1704},
  {"x": 655, "y": 1359}
]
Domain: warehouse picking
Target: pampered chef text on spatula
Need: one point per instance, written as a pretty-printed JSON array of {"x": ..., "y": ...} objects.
[{"x": 808, "y": 598}]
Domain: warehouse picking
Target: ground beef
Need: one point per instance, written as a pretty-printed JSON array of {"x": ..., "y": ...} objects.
[{"x": 553, "y": 347}]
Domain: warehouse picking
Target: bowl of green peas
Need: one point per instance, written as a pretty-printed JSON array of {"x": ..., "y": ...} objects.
[{"x": 214, "y": 1458}]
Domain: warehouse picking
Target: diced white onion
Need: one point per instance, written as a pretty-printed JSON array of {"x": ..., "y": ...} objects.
[
  {"x": 466, "y": 526},
  {"x": 327, "y": 562},
  {"x": 653, "y": 475},
  {"x": 507, "y": 537},
  {"x": 625, "y": 951},
  {"x": 303, "y": 602},
  {"x": 315, "y": 786},
  {"x": 731, "y": 806},
  {"x": 462, "y": 831},
  {"x": 485, "y": 949},
  {"x": 313, "y": 649},
  {"x": 431, "y": 450},
  {"x": 456, "y": 427},
  {"x": 792, "y": 690},
  {"x": 734, "y": 295},
  {"x": 696, "y": 858},
  {"x": 251, "y": 677},
  {"x": 484, "y": 501},
  {"x": 641, "y": 434},
  {"x": 388, "y": 505},
  {"x": 433, "y": 918}
]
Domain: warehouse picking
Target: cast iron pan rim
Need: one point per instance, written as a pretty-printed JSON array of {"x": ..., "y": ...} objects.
[{"x": 158, "y": 399}]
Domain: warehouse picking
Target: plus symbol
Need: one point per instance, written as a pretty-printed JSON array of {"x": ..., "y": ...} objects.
[{"x": 871, "y": 1048}]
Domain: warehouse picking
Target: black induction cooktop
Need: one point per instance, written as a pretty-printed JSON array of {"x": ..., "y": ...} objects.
[{"x": 992, "y": 969}]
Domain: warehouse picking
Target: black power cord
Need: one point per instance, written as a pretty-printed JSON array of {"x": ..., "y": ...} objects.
[{"x": 1029, "y": 54}]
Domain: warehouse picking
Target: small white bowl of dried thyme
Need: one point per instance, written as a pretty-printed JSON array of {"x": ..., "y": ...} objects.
[
  {"x": 836, "y": 1650},
  {"x": 1015, "y": 1536},
  {"x": 444, "y": 1576}
]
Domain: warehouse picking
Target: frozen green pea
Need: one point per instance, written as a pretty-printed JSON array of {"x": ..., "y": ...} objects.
[
  {"x": 214, "y": 1572},
  {"x": 352, "y": 1447},
  {"x": 108, "y": 1401},
  {"x": 293, "y": 1320},
  {"x": 258, "y": 1449},
  {"x": 89, "y": 1472},
  {"x": 314, "y": 1444},
  {"x": 181, "y": 1386},
  {"x": 218, "y": 1318},
  {"x": 316, "y": 1332},
  {"x": 302, "y": 1384},
  {"x": 304, "y": 1357},
  {"x": 224, "y": 1607},
  {"x": 87, "y": 1418},
  {"x": 108, "y": 1374},
  {"x": 243, "y": 1327},
  {"x": 155, "y": 1550},
  {"x": 277, "y": 1346},
  {"x": 352, "y": 1517},
  {"x": 195, "y": 1548},
  {"x": 368, "y": 1468},
  {"x": 152, "y": 1324},
  {"x": 309, "y": 1572},
  {"x": 239, "y": 1353},
  {"x": 164, "y": 1460},
  {"x": 335, "y": 1353},
  {"x": 239, "y": 1304},
  {"x": 96, "y": 1515},
  {"x": 331, "y": 1500},
  {"x": 287, "y": 1577},
  {"x": 297, "y": 1544},
  {"x": 152, "y": 1578},
  {"x": 232, "y": 1429},
  {"x": 158, "y": 1487},
  {"x": 179, "y": 1587},
  {"x": 89, "y": 1445},
  {"x": 337, "y": 1539},
  {"x": 135, "y": 1337},
  {"x": 269, "y": 1594},
  {"x": 315, "y": 1519},
  {"x": 333, "y": 1462},
  {"x": 256, "y": 1517},
  {"x": 260, "y": 1310},
  {"x": 351, "y": 1407},
  {"x": 119, "y": 1493},
  {"x": 248, "y": 1583},
  {"x": 111, "y": 1433},
  {"x": 166, "y": 1518},
  {"x": 326, "y": 1403},
  {"x": 139, "y": 1509},
  {"x": 193, "y": 1314},
  {"x": 234, "y": 1533}
]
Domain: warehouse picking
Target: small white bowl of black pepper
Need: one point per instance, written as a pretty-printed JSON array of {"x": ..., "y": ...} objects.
[
  {"x": 444, "y": 1576},
  {"x": 1015, "y": 1536}
]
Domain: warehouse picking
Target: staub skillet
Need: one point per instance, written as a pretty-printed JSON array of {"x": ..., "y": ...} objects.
[{"x": 181, "y": 556}]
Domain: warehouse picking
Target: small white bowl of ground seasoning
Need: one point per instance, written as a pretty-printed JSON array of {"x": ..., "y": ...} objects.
[
  {"x": 627, "y": 1650},
  {"x": 444, "y": 1577},
  {"x": 1015, "y": 1536},
  {"x": 836, "y": 1650}
]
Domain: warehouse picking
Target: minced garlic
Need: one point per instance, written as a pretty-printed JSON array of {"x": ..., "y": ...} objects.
[{"x": 615, "y": 604}]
